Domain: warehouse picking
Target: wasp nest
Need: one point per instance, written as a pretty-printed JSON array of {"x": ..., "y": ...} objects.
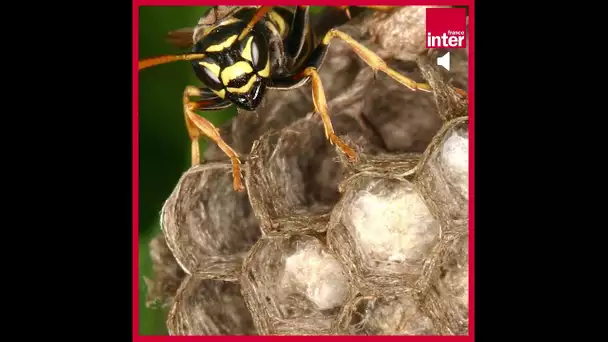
[{"x": 319, "y": 245}]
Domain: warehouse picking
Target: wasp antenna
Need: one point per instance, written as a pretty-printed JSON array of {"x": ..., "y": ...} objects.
[
  {"x": 149, "y": 62},
  {"x": 259, "y": 14}
]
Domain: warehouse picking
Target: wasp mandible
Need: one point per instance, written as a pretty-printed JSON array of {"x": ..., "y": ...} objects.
[{"x": 240, "y": 52}]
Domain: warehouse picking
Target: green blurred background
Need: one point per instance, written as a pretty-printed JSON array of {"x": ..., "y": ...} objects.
[
  {"x": 163, "y": 141},
  {"x": 164, "y": 147}
]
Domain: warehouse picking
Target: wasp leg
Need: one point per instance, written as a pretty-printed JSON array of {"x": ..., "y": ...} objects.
[
  {"x": 198, "y": 125},
  {"x": 373, "y": 60},
  {"x": 376, "y": 63},
  {"x": 319, "y": 101},
  {"x": 370, "y": 58}
]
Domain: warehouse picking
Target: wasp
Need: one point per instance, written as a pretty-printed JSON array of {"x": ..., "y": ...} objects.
[{"x": 240, "y": 52}]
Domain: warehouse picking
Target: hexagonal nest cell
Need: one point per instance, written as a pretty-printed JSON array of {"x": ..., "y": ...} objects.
[{"x": 318, "y": 244}]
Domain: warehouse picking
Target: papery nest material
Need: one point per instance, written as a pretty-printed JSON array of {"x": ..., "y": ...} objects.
[{"x": 302, "y": 195}]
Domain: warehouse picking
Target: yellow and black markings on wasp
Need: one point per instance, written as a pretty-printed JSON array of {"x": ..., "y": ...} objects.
[
  {"x": 237, "y": 70},
  {"x": 248, "y": 55}
]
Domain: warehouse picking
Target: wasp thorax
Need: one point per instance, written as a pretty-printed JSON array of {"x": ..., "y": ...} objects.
[{"x": 235, "y": 69}]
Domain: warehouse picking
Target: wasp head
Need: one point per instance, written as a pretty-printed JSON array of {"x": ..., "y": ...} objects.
[{"x": 236, "y": 68}]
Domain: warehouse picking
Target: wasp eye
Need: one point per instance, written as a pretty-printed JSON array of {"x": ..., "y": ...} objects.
[
  {"x": 257, "y": 49},
  {"x": 209, "y": 73},
  {"x": 255, "y": 52}
]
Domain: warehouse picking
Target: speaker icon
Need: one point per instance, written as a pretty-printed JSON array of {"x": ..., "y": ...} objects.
[{"x": 444, "y": 61}]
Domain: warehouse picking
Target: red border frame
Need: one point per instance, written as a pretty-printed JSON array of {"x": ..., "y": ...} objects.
[{"x": 137, "y": 3}]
